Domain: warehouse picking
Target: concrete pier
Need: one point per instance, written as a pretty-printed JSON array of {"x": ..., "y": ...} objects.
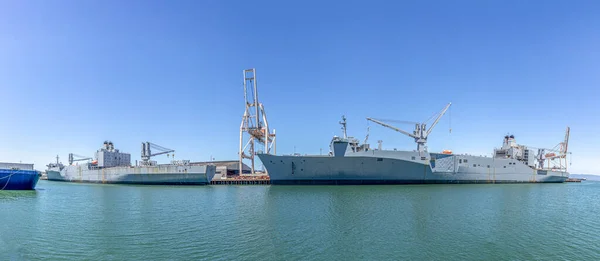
[{"x": 243, "y": 180}]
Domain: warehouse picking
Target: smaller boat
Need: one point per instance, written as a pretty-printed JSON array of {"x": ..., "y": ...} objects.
[{"x": 18, "y": 176}]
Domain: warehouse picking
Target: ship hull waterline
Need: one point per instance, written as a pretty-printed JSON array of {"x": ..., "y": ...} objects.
[
  {"x": 369, "y": 170},
  {"x": 172, "y": 175},
  {"x": 18, "y": 179}
]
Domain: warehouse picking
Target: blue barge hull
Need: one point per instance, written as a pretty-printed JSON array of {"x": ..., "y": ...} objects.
[{"x": 11, "y": 179}]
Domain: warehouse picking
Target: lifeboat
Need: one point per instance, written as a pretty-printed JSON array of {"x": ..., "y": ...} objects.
[{"x": 447, "y": 152}]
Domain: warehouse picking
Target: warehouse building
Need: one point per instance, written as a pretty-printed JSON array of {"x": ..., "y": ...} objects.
[{"x": 226, "y": 169}]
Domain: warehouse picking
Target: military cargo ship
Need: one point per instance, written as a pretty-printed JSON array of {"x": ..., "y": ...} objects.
[
  {"x": 350, "y": 162},
  {"x": 18, "y": 176},
  {"x": 112, "y": 166}
]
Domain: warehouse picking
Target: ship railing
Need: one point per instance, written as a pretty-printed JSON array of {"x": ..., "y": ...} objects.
[
  {"x": 147, "y": 163},
  {"x": 180, "y": 162}
]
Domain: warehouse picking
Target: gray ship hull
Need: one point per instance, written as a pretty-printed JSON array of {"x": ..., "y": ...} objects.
[
  {"x": 151, "y": 175},
  {"x": 401, "y": 167}
]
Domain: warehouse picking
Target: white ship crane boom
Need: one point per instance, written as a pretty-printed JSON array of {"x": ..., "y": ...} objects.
[
  {"x": 392, "y": 127},
  {"x": 420, "y": 133},
  {"x": 438, "y": 119},
  {"x": 565, "y": 144}
]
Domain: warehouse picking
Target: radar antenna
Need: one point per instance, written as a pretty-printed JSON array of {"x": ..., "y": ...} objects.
[
  {"x": 420, "y": 133},
  {"x": 343, "y": 123}
]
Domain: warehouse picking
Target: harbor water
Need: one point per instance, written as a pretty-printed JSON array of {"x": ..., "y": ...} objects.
[{"x": 66, "y": 221}]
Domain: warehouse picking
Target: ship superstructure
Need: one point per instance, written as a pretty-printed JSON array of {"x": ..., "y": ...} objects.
[
  {"x": 350, "y": 162},
  {"x": 113, "y": 166}
]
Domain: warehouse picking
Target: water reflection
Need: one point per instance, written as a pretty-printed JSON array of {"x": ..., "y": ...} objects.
[
  {"x": 6, "y": 195},
  {"x": 412, "y": 222}
]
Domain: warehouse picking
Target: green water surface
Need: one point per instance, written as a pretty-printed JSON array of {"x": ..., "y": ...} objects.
[{"x": 66, "y": 221}]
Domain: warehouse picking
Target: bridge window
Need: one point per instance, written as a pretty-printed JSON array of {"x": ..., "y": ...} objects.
[
  {"x": 465, "y": 160},
  {"x": 412, "y": 158},
  {"x": 460, "y": 161},
  {"x": 474, "y": 165}
]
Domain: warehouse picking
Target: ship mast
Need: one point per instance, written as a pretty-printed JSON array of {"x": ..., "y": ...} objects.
[
  {"x": 420, "y": 133},
  {"x": 343, "y": 123}
]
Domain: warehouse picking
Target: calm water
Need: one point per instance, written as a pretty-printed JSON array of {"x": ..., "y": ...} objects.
[{"x": 421, "y": 222}]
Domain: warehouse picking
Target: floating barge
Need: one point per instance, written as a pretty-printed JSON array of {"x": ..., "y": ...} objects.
[
  {"x": 573, "y": 180},
  {"x": 18, "y": 176},
  {"x": 243, "y": 180}
]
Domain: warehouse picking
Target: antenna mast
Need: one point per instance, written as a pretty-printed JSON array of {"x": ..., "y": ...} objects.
[
  {"x": 254, "y": 127},
  {"x": 343, "y": 123}
]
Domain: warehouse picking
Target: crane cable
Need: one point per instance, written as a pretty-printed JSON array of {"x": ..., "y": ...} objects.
[{"x": 450, "y": 120}]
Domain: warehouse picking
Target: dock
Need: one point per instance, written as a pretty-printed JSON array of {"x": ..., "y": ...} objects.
[{"x": 249, "y": 180}]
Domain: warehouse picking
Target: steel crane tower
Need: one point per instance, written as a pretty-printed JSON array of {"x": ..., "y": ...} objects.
[{"x": 254, "y": 130}]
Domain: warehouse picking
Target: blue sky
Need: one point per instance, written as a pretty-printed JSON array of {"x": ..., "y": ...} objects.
[{"x": 76, "y": 73}]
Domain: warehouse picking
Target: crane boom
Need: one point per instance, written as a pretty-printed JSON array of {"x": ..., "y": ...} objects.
[
  {"x": 399, "y": 121},
  {"x": 392, "y": 127},
  {"x": 161, "y": 153},
  {"x": 147, "y": 150},
  {"x": 72, "y": 158},
  {"x": 420, "y": 133},
  {"x": 438, "y": 118},
  {"x": 566, "y": 142},
  {"x": 158, "y": 147}
]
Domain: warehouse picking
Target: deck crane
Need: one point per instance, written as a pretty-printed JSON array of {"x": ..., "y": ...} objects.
[
  {"x": 75, "y": 157},
  {"x": 420, "y": 133},
  {"x": 147, "y": 150},
  {"x": 560, "y": 152}
]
